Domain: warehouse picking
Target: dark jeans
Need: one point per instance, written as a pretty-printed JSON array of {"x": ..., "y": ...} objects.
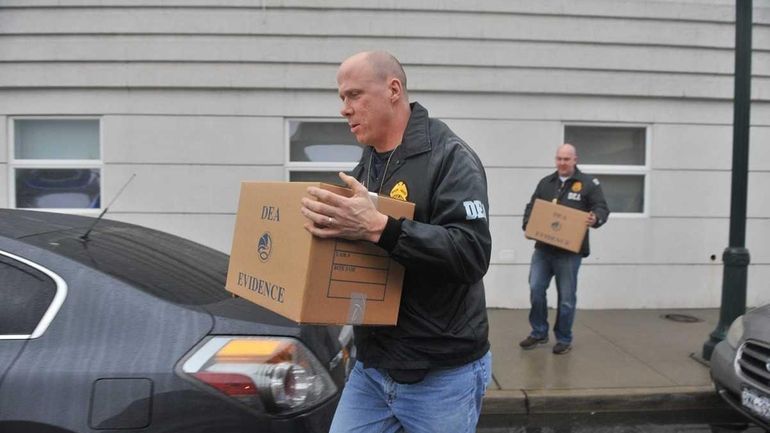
[{"x": 564, "y": 266}]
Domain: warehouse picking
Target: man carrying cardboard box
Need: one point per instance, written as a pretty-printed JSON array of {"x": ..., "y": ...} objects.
[
  {"x": 569, "y": 187},
  {"x": 430, "y": 371}
]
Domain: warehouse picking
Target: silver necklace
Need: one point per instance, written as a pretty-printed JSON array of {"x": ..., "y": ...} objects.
[{"x": 384, "y": 172}]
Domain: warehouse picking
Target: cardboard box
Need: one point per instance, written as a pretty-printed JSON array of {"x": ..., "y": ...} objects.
[
  {"x": 279, "y": 265},
  {"x": 557, "y": 225}
]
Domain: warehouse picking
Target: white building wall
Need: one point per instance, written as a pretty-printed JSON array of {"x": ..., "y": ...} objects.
[{"x": 194, "y": 94}]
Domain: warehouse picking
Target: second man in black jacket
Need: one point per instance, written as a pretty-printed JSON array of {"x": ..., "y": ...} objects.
[{"x": 567, "y": 186}]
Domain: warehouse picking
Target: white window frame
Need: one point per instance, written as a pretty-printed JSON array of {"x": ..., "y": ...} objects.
[
  {"x": 599, "y": 169},
  {"x": 290, "y": 166},
  {"x": 14, "y": 163}
]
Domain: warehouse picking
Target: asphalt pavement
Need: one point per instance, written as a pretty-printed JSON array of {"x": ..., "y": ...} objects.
[{"x": 621, "y": 360}]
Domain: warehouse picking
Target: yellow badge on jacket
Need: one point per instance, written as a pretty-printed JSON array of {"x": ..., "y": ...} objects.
[
  {"x": 399, "y": 191},
  {"x": 577, "y": 186}
]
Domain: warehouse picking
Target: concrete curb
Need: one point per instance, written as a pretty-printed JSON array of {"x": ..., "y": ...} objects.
[{"x": 541, "y": 401}]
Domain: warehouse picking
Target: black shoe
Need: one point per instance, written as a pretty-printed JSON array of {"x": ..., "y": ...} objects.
[
  {"x": 531, "y": 342},
  {"x": 561, "y": 348}
]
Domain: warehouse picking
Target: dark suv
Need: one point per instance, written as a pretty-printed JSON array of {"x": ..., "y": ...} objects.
[{"x": 131, "y": 329}]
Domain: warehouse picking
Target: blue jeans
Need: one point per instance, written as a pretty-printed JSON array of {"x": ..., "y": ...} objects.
[
  {"x": 445, "y": 401},
  {"x": 564, "y": 266}
]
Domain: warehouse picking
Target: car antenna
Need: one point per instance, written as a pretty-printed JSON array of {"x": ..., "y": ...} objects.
[{"x": 99, "y": 218}]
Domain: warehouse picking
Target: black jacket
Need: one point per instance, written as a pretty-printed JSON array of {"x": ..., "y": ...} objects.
[
  {"x": 442, "y": 321},
  {"x": 581, "y": 191}
]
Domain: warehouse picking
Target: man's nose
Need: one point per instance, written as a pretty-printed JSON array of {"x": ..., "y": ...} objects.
[{"x": 345, "y": 111}]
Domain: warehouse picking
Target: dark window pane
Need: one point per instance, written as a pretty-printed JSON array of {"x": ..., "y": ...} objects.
[
  {"x": 322, "y": 142},
  {"x": 607, "y": 145},
  {"x": 58, "y": 188},
  {"x": 26, "y": 294},
  {"x": 316, "y": 176},
  {"x": 56, "y": 139},
  {"x": 624, "y": 193}
]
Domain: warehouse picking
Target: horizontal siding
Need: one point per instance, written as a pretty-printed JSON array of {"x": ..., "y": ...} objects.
[
  {"x": 421, "y": 78},
  {"x": 330, "y": 50},
  {"x": 444, "y": 46},
  {"x": 510, "y": 143},
  {"x": 588, "y": 109},
  {"x": 382, "y": 23},
  {"x": 181, "y": 189},
  {"x": 239, "y": 102},
  {"x": 713, "y": 10},
  {"x": 193, "y": 140}
]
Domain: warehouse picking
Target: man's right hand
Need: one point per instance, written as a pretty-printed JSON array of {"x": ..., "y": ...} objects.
[{"x": 334, "y": 216}]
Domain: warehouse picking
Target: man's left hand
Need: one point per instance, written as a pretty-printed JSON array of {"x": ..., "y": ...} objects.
[
  {"x": 591, "y": 219},
  {"x": 334, "y": 216}
]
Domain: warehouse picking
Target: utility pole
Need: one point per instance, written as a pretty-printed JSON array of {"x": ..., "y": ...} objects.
[{"x": 736, "y": 256}]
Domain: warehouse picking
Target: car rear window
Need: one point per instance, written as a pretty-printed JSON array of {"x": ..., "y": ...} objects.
[
  {"x": 161, "y": 264},
  {"x": 26, "y": 294}
]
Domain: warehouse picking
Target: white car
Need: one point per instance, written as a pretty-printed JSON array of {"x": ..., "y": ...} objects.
[{"x": 740, "y": 366}]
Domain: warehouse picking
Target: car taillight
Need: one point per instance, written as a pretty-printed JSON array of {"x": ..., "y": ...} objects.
[{"x": 277, "y": 374}]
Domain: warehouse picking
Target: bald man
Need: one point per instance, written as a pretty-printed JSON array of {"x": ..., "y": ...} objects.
[
  {"x": 570, "y": 187},
  {"x": 430, "y": 371}
]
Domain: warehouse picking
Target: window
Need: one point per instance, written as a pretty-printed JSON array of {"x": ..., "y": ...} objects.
[
  {"x": 29, "y": 297},
  {"x": 55, "y": 163},
  {"x": 319, "y": 149},
  {"x": 618, "y": 157}
]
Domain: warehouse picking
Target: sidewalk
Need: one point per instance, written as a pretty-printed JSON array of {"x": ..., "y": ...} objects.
[{"x": 621, "y": 360}]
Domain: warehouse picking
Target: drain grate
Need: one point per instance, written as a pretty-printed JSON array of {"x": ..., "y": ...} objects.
[{"x": 681, "y": 318}]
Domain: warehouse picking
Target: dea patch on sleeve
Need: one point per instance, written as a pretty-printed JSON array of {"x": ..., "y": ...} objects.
[{"x": 474, "y": 210}]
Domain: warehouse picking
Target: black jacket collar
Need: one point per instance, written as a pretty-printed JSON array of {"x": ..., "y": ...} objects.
[
  {"x": 555, "y": 175},
  {"x": 416, "y": 138},
  {"x": 417, "y": 134}
]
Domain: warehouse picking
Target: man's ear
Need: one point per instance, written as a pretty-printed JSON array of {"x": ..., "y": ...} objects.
[{"x": 396, "y": 89}]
